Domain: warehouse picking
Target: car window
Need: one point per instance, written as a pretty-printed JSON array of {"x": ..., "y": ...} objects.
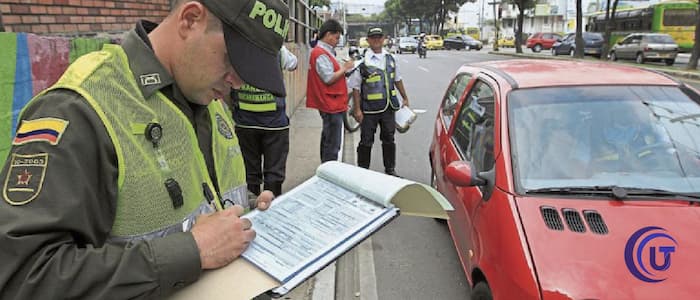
[
  {"x": 473, "y": 119},
  {"x": 546, "y": 36},
  {"x": 454, "y": 93},
  {"x": 660, "y": 39},
  {"x": 556, "y": 36},
  {"x": 632, "y": 136}
]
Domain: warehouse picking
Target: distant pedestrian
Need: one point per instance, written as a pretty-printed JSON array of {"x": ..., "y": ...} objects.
[{"x": 314, "y": 39}]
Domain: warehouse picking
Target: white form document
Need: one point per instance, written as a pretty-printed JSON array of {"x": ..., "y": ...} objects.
[{"x": 309, "y": 227}]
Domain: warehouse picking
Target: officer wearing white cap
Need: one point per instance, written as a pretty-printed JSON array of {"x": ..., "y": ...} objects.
[
  {"x": 374, "y": 93},
  {"x": 125, "y": 179}
]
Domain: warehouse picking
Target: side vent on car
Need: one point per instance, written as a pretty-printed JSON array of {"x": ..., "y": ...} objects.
[
  {"x": 551, "y": 218},
  {"x": 595, "y": 222},
  {"x": 573, "y": 220}
]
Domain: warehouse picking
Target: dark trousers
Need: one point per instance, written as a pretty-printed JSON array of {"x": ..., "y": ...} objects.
[
  {"x": 265, "y": 157},
  {"x": 387, "y": 126},
  {"x": 331, "y": 135}
]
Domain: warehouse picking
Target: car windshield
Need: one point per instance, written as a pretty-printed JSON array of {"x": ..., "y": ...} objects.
[
  {"x": 660, "y": 39},
  {"x": 467, "y": 38},
  {"x": 408, "y": 40},
  {"x": 631, "y": 136}
]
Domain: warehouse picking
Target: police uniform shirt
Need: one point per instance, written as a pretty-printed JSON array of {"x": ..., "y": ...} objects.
[
  {"x": 377, "y": 60},
  {"x": 49, "y": 242}
]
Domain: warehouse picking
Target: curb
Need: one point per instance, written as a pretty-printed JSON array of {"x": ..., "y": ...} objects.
[{"x": 675, "y": 73}]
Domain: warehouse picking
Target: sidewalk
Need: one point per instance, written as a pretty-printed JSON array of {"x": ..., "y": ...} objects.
[
  {"x": 673, "y": 71},
  {"x": 303, "y": 159}
]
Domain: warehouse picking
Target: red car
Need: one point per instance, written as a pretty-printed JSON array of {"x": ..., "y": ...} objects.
[
  {"x": 542, "y": 40},
  {"x": 571, "y": 187}
]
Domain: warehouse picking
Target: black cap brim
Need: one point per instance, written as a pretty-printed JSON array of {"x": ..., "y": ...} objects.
[{"x": 256, "y": 66}]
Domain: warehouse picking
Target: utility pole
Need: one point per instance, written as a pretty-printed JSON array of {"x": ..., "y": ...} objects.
[
  {"x": 495, "y": 24},
  {"x": 481, "y": 21}
]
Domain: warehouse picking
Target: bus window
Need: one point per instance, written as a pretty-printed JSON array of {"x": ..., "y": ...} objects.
[{"x": 680, "y": 17}]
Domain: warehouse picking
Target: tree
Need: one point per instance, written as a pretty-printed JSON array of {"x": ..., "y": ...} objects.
[
  {"x": 522, "y": 6},
  {"x": 693, "y": 62},
  {"x": 319, "y": 3},
  {"x": 579, "y": 30},
  {"x": 609, "y": 24}
]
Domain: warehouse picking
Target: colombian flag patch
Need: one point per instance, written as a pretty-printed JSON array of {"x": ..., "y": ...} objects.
[{"x": 47, "y": 130}]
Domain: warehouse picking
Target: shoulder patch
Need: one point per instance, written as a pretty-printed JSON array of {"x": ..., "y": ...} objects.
[
  {"x": 47, "y": 130},
  {"x": 25, "y": 178}
]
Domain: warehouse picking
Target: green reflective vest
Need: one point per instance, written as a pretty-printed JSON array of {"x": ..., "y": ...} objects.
[{"x": 144, "y": 206}]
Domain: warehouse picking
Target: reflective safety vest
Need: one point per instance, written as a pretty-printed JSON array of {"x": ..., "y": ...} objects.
[
  {"x": 256, "y": 108},
  {"x": 378, "y": 87},
  {"x": 145, "y": 208}
]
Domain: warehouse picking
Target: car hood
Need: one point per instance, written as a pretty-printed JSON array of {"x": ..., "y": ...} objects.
[{"x": 600, "y": 249}]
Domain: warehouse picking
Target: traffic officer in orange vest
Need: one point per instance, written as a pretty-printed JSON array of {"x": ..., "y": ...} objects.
[
  {"x": 262, "y": 127},
  {"x": 374, "y": 93},
  {"x": 122, "y": 177}
]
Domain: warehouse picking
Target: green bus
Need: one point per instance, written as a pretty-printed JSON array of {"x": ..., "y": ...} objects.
[{"x": 676, "y": 18}]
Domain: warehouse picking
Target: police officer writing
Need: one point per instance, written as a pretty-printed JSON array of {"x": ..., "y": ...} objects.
[
  {"x": 121, "y": 177},
  {"x": 326, "y": 89},
  {"x": 262, "y": 127},
  {"x": 374, "y": 93}
]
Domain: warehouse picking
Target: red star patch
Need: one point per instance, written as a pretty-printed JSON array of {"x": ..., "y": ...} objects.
[{"x": 24, "y": 177}]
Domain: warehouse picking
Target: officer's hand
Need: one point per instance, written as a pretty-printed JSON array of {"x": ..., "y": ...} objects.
[
  {"x": 348, "y": 65},
  {"x": 222, "y": 236},
  {"x": 264, "y": 200},
  {"x": 405, "y": 101},
  {"x": 358, "y": 115}
]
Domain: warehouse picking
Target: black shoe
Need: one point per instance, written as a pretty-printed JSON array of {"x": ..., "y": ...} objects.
[{"x": 392, "y": 172}]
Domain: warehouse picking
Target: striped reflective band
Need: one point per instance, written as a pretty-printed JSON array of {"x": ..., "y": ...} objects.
[{"x": 258, "y": 107}]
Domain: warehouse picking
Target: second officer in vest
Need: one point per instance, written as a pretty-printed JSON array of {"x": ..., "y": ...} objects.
[
  {"x": 374, "y": 93},
  {"x": 262, "y": 127}
]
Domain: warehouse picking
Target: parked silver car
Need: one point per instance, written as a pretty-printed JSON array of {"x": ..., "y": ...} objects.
[{"x": 644, "y": 47}]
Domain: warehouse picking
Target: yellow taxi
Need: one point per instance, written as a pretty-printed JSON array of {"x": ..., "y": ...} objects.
[
  {"x": 507, "y": 42},
  {"x": 363, "y": 42},
  {"x": 434, "y": 42}
]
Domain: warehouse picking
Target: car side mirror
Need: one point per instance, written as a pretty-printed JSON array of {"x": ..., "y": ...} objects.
[{"x": 460, "y": 173}]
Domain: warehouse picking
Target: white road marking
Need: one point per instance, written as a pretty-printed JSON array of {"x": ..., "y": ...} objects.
[
  {"x": 419, "y": 111},
  {"x": 424, "y": 69}
]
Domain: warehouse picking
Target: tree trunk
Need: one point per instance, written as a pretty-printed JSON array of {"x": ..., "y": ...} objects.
[
  {"x": 610, "y": 17},
  {"x": 693, "y": 62},
  {"x": 579, "y": 31},
  {"x": 519, "y": 30}
]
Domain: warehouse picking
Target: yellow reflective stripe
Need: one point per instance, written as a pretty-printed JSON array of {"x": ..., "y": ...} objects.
[
  {"x": 393, "y": 92},
  {"x": 266, "y": 97},
  {"x": 373, "y": 79},
  {"x": 377, "y": 96},
  {"x": 258, "y": 107}
]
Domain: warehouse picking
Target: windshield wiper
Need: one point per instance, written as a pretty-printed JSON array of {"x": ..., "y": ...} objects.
[{"x": 616, "y": 192}]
